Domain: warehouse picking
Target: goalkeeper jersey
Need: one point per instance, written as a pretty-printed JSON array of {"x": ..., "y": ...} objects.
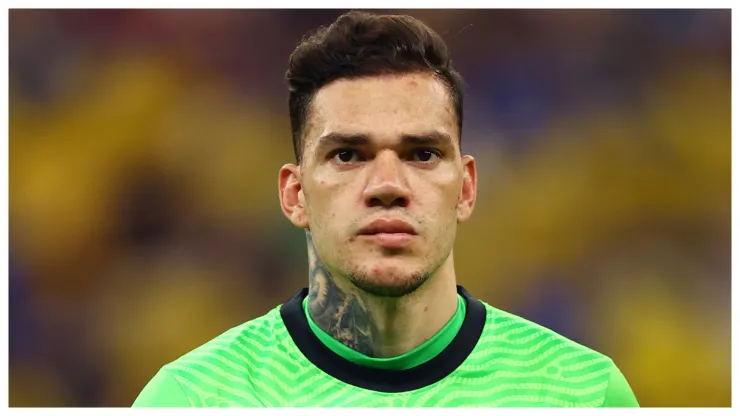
[{"x": 496, "y": 359}]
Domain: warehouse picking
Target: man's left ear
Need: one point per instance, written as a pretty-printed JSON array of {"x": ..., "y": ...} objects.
[{"x": 469, "y": 191}]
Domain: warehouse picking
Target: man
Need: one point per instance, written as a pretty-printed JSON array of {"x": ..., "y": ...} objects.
[{"x": 380, "y": 186}]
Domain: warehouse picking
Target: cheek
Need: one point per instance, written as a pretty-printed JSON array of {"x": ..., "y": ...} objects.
[
  {"x": 328, "y": 206},
  {"x": 337, "y": 190},
  {"x": 440, "y": 195},
  {"x": 452, "y": 190},
  {"x": 437, "y": 207}
]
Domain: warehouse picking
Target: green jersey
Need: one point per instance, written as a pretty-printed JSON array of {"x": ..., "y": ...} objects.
[{"x": 496, "y": 359}]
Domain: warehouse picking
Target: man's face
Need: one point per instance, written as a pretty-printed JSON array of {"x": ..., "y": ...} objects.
[{"x": 382, "y": 181}]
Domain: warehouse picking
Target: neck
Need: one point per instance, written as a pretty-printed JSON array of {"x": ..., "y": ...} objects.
[{"x": 375, "y": 326}]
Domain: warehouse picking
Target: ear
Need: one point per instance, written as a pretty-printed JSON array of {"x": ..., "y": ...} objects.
[
  {"x": 469, "y": 191},
  {"x": 292, "y": 200}
]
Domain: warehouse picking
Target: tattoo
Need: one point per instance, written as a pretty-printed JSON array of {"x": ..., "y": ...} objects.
[{"x": 339, "y": 314}]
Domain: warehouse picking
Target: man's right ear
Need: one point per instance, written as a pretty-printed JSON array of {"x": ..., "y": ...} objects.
[{"x": 292, "y": 200}]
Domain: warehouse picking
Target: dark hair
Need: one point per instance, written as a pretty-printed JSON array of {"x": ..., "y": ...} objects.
[{"x": 360, "y": 44}]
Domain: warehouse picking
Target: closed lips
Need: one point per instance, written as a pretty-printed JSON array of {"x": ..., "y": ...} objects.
[{"x": 387, "y": 227}]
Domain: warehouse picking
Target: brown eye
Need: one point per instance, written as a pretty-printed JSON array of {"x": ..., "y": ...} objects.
[
  {"x": 345, "y": 156},
  {"x": 425, "y": 155}
]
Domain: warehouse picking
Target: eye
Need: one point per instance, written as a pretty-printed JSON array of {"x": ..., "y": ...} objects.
[
  {"x": 425, "y": 155},
  {"x": 345, "y": 156}
]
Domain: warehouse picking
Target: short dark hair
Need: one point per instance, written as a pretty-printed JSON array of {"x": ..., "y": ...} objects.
[{"x": 360, "y": 44}]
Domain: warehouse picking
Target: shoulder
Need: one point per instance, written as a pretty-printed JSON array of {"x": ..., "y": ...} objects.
[
  {"x": 220, "y": 370},
  {"x": 240, "y": 345},
  {"x": 506, "y": 329},
  {"x": 565, "y": 371}
]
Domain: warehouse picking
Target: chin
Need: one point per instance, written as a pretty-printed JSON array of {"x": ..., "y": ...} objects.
[{"x": 391, "y": 281}]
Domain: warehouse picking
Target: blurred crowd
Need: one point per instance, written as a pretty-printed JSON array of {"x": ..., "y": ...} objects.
[{"x": 144, "y": 219}]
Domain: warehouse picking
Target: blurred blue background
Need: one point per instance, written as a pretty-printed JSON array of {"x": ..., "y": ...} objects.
[{"x": 144, "y": 219}]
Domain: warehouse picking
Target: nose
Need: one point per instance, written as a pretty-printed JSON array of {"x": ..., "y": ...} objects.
[{"x": 387, "y": 185}]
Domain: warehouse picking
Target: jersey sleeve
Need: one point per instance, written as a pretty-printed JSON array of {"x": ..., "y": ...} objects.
[
  {"x": 619, "y": 393},
  {"x": 162, "y": 391}
]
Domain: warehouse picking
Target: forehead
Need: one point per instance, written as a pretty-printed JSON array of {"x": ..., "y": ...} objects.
[{"x": 383, "y": 107}]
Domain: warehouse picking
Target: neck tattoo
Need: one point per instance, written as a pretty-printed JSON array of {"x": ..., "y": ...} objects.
[{"x": 341, "y": 315}]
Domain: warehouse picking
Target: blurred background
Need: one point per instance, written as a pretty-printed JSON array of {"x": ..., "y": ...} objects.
[{"x": 144, "y": 217}]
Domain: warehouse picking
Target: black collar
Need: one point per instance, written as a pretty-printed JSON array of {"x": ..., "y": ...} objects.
[{"x": 390, "y": 381}]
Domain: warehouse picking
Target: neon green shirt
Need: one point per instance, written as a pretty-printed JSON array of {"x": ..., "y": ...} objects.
[{"x": 495, "y": 359}]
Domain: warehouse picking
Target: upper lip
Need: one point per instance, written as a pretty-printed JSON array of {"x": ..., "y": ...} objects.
[{"x": 390, "y": 226}]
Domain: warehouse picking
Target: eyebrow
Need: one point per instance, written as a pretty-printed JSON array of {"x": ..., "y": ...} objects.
[
  {"x": 339, "y": 139},
  {"x": 433, "y": 138}
]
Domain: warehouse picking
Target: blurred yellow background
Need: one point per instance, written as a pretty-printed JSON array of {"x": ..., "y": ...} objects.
[{"x": 144, "y": 219}]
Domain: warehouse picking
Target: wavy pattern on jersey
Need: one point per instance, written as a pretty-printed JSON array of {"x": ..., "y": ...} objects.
[{"x": 515, "y": 363}]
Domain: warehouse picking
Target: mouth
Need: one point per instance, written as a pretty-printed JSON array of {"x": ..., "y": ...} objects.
[{"x": 389, "y": 233}]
